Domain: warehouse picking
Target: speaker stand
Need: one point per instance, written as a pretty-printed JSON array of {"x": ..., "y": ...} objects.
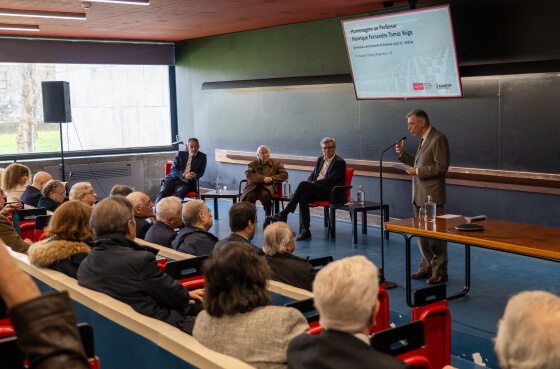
[{"x": 61, "y": 166}]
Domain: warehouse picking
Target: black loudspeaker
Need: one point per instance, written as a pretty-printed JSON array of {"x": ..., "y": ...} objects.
[{"x": 56, "y": 102}]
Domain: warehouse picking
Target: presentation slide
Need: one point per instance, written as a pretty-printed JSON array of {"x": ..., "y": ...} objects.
[{"x": 403, "y": 55}]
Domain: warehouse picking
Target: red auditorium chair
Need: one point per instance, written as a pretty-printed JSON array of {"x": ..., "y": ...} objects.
[
  {"x": 191, "y": 195},
  {"x": 41, "y": 222},
  {"x": 161, "y": 263},
  {"x": 6, "y": 329},
  {"x": 24, "y": 222},
  {"x": 430, "y": 306},
  {"x": 325, "y": 204},
  {"x": 188, "y": 271}
]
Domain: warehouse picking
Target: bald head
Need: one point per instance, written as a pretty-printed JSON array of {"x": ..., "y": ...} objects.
[
  {"x": 263, "y": 153},
  {"x": 40, "y": 179}
]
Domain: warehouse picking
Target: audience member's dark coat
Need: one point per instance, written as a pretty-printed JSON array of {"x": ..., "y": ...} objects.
[
  {"x": 238, "y": 238},
  {"x": 129, "y": 272},
  {"x": 142, "y": 226},
  {"x": 160, "y": 233},
  {"x": 334, "y": 349},
  {"x": 48, "y": 203},
  {"x": 194, "y": 241},
  {"x": 60, "y": 255},
  {"x": 31, "y": 196},
  {"x": 292, "y": 270}
]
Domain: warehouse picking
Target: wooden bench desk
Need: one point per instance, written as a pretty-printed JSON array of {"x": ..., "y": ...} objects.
[{"x": 518, "y": 238}]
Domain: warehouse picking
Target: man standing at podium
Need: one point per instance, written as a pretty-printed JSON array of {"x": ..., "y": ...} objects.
[{"x": 428, "y": 169}]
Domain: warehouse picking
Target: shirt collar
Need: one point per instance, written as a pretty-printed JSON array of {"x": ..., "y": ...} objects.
[
  {"x": 425, "y": 135},
  {"x": 362, "y": 337}
]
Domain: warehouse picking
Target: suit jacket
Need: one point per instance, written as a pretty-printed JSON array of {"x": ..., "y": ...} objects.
[
  {"x": 142, "y": 226},
  {"x": 47, "y": 203},
  {"x": 259, "y": 337},
  {"x": 333, "y": 349},
  {"x": 160, "y": 233},
  {"x": 10, "y": 237},
  {"x": 292, "y": 270},
  {"x": 335, "y": 176},
  {"x": 31, "y": 196},
  {"x": 198, "y": 165},
  {"x": 238, "y": 238},
  {"x": 432, "y": 162},
  {"x": 273, "y": 169}
]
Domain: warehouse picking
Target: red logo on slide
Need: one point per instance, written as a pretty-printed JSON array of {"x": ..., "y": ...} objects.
[{"x": 417, "y": 86}]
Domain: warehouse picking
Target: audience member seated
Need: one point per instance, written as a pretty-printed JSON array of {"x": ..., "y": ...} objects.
[
  {"x": 143, "y": 209},
  {"x": 330, "y": 171},
  {"x": 84, "y": 192},
  {"x": 285, "y": 267},
  {"x": 243, "y": 224},
  {"x": 261, "y": 175},
  {"x": 346, "y": 300},
  {"x": 129, "y": 272},
  {"x": 188, "y": 167},
  {"x": 528, "y": 333},
  {"x": 69, "y": 239},
  {"x": 7, "y": 231},
  {"x": 121, "y": 190},
  {"x": 14, "y": 179},
  {"x": 54, "y": 193},
  {"x": 168, "y": 215},
  {"x": 195, "y": 239},
  {"x": 45, "y": 325},
  {"x": 238, "y": 319},
  {"x": 32, "y": 193}
]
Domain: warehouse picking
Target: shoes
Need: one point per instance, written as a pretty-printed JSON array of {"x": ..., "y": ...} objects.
[
  {"x": 304, "y": 235},
  {"x": 420, "y": 275},
  {"x": 278, "y": 217},
  {"x": 438, "y": 280}
]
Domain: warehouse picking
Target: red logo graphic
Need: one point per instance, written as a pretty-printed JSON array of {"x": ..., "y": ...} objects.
[{"x": 417, "y": 86}]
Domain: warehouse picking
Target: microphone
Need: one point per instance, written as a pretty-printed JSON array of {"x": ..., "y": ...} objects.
[{"x": 402, "y": 139}]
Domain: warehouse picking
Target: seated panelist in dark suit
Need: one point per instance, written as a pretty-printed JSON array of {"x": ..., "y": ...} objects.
[
  {"x": 243, "y": 224},
  {"x": 285, "y": 267},
  {"x": 329, "y": 171},
  {"x": 346, "y": 300},
  {"x": 195, "y": 238},
  {"x": 261, "y": 175},
  {"x": 32, "y": 193},
  {"x": 168, "y": 218},
  {"x": 188, "y": 166}
]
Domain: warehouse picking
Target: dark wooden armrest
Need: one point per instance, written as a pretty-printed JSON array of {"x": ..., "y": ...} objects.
[{"x": 337, "y": 188}]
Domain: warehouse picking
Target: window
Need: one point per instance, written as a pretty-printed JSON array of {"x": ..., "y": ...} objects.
[{"x": 113, "y": 107}]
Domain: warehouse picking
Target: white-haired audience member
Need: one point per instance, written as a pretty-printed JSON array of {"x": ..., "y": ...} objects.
[
  {"x": 143, "y": 209},
  {"x": 168, "y": 218},
  {"x": 529, "y": 332},
  {"x": 285, "y": 267},
  {"x": 195, "y": 239},
  {"x": 346, "y": 299},
  {"x": 84, "y": 192}
]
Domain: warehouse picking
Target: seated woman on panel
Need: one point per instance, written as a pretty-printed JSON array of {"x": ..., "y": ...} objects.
[
  {"x": 69, "y": 239},
  {"x": 238, "y": 319},
  {"x": 278, "y": 247},
  {"x": 14, "y": 180},
  {"x": 261, "y": 175},
  {"x": 54, "y": 193}
]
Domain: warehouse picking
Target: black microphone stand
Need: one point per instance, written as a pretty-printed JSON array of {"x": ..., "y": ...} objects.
[{"x": 388, "y": 284}]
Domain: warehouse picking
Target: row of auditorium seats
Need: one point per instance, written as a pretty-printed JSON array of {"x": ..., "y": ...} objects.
[
  {"x": 30, "y": 223},
  {"x": 117, "y": 320},
  {"x": 424, "y": 343}
]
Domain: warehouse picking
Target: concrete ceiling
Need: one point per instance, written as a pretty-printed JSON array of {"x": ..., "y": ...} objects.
[{"x": 174, "y": 20}]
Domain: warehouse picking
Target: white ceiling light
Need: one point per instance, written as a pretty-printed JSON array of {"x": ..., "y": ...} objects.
[
  {"x": 128, "y": 2},
  {"x": 41, "y": 14},
  {"x": 19, "y": 27}
]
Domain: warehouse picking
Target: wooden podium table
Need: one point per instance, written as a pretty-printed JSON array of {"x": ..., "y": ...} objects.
[{"x": 518, "y": 238}]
